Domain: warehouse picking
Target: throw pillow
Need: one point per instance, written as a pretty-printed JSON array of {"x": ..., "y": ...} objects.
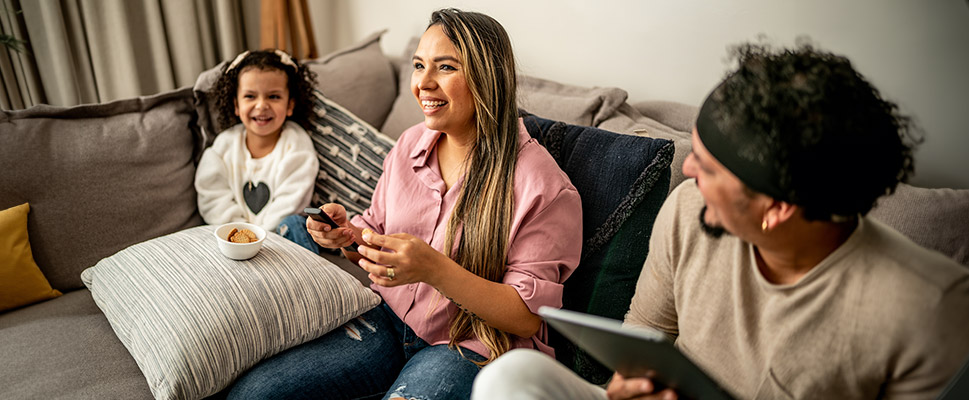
[
  {"x": 405, "y": 111},
  {"x": 194, "y": 320},
  {"x": 360, "y": 77},
  {"x": 351, "y": 154},
  {"x": 628, "y": 120},
  {"x": 568, "y": 103},
  {"x": 21, "y": 282},
  {"x": 623, "y": 181},
  {"x": 99, "y": 177}
]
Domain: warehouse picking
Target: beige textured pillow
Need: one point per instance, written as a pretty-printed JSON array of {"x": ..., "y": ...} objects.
[
  {"x": 194, "y": 320},
  {"x": 571, "y": 104},
  {"x": 405, "y": 112}
]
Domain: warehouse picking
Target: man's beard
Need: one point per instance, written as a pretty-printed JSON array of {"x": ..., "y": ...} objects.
[{"x": 714, "y": 231}]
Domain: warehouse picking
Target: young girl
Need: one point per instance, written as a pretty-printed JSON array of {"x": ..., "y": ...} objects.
[{"x": 264, "y": 167}]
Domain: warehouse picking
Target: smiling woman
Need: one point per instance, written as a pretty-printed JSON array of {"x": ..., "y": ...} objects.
[{"x": 472, "y": 227}]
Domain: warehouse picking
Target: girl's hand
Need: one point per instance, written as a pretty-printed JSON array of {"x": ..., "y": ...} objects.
[
  {"x": 620, "y": 388},
  {"x": 404, "y": 259},
  {"x": 332, "y": 238}
]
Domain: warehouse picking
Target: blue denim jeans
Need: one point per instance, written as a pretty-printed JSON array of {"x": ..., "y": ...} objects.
[
  {"x": 293, "y": 228},
  {"x": 373, "y": 356}
]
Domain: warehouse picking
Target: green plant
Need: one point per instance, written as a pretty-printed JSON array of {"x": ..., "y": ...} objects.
[{"x": 10, "y": 41}]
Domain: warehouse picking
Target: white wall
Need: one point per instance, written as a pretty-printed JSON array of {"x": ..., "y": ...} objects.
[{"x": 915, "y": 51}]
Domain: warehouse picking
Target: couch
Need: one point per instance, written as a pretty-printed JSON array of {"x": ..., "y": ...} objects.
[{"x": 99, "y": 178}]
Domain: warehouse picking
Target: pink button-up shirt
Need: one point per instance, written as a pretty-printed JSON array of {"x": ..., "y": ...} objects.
[{"x": 545, "y": 238}]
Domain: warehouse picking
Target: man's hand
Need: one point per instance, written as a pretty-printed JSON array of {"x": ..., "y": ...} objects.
[{"x": 636, "y": 388}]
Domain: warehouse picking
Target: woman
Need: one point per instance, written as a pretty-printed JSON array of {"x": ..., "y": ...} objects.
[{"x": 472, "y": 228}]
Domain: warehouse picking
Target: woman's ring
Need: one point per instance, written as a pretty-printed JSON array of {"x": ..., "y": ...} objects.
[{"x": 390, "y": 273}]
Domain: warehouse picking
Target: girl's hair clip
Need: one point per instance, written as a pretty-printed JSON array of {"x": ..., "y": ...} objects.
[
  {"x": 238, "y": 60},
  {"x": 283, "y": 58},
  {"x": 286, "y": 59}
]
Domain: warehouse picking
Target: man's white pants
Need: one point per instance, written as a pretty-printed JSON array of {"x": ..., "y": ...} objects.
[{"x": 529, "y": 374}]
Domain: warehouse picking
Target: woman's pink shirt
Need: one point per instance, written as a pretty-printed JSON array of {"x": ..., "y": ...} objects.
[{"x": 546, "y": 231}]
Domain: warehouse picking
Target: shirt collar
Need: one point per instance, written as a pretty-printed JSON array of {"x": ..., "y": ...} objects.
[
  {"x": 428, "y": 141},
  {"x": 425, "y": 145}
]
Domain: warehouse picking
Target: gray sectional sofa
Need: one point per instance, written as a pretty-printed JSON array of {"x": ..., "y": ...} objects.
[{"x": 102, "y": 177}]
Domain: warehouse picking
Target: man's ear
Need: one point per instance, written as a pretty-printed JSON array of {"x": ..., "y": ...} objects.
[{"x": 779, "y": 212}]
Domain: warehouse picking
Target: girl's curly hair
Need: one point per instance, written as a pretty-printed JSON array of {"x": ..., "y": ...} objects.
[{"x": 300, "y": 79}]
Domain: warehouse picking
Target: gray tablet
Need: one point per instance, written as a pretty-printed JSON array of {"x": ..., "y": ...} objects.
[{"x": 634, "y": 352}]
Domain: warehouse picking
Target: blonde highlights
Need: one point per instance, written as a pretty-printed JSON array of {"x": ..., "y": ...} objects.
[{"x": 485, "y": 205}]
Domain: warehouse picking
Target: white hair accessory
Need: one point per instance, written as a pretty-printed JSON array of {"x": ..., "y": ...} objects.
[
  {"x": 286, "y": 59},
  {"x": 238, "y": 60}
]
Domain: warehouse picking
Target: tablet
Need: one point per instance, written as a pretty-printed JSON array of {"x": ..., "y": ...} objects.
[{"x": 634, "y": 351}]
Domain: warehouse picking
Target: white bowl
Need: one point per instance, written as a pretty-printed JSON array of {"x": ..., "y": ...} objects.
[{"x": 239, "y": 251}]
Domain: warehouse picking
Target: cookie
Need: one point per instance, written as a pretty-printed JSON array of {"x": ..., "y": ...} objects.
[
  {"x": 364, "y": 233},
  {"x": 250, "y": 234},
  {"x": 241, "y": 236}
]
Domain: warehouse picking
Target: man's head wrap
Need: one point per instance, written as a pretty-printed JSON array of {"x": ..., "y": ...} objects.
[{"x": 729, "y": 142}]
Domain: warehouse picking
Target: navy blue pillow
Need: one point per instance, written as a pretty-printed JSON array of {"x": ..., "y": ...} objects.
[{"x": 623, "y": 181}]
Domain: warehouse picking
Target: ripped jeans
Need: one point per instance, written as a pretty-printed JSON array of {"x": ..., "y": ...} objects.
[{"x": 373, "y": 356}]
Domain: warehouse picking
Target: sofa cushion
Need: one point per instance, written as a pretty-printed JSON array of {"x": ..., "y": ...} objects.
[
  {"x": 568, "y": 103},
  {"x": 351, "y": 154},
  {"x": 64, "y": 349},
  {"x": 623, "y": 181},
  {"x": 561, "y": 102},
  {"x": 194, "y": 320},
  {"x": 934, "y": 218},
  {"x": 99, "y": 177},
  {"x": 21, "y": 281},
  {"x": 405, "y": 112},
  {"x": 359, "y": 77},
  {"x": 628, "y": 120},
  {"x": 678, "y": 116}
]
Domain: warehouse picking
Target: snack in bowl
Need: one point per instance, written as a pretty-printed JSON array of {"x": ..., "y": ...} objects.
[
  {"x": 241, "y": 236},
  {"x": 240, "y": 240}
]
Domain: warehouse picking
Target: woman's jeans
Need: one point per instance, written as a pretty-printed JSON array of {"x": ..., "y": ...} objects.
[
  {"x": 293, "y": 228},
  {"x": 374, "y": 356}
]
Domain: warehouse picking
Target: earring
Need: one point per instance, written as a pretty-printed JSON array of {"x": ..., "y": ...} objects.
[{"x": 763, "y": 226}]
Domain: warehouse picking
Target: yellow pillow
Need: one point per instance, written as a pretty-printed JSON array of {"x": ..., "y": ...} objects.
[{"x": 21, "y": 281}]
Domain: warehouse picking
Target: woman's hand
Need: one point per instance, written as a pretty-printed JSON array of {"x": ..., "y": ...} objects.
[
  {"x": 620, "y": 388},
  {"x": 328, "y": 237},
  {"x": 404, "y": 259}
]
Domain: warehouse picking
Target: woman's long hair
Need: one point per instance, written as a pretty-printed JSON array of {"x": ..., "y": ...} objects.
[{"x": 484, "y": 208}]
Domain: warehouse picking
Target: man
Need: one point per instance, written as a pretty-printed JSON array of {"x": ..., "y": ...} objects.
[{"x": 783, "y": 288}]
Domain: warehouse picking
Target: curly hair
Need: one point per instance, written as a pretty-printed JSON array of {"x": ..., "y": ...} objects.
[
  {"x": 301, "y": 82},
  {"x": 833, "y": 143}
]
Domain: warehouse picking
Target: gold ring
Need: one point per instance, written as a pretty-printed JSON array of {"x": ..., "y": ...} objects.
[{"x": 390, "y": 273}]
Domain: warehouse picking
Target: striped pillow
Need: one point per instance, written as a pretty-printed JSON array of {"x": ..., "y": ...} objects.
[
  {"x": 351, "y": 156},
  {"x": 194, "y": 320}
]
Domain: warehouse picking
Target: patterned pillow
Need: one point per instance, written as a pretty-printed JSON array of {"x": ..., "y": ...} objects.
[
  {"x": 194, "y": 320},
  {"x": 351, "y": 156},
  {"x": 623, "y": 181}
]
